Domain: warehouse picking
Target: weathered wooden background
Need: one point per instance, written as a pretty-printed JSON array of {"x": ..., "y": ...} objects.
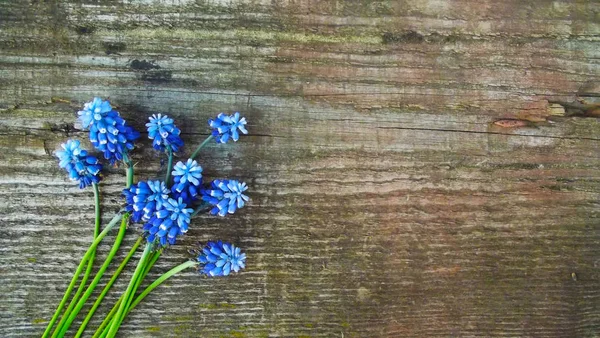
[{"x": 417, "y": 168}]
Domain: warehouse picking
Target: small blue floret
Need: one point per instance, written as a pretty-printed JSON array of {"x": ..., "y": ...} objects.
[
  {"x": 219, "y": 259},
  {"x": 145, "y": 198},
  {"x": 81, "y": 167},
  {"x": 169, "y": 222},
  {"x": 228, "y": 126},
  {"x": 164, "y": 133},
  {"x": 226, "y": 196},
  {"x": 187, "y": 178}
]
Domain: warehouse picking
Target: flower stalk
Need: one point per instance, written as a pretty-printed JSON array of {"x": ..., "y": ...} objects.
[
  {"x": 218, "y": 258},
  {"x": 159, "y": 281},
  {"x": 94, "y": 282},
  {"x": 205, "y": 142},
  {"x": 129, "y": 169},
  {"x": 129, "y": 291},
  {"x": 169, "y": 165},
  {"x": 84, "y": 260},
  {"x": 102, "y": 330},
  {"x": 72, "y": 305},
  {"x": 104, "y": 291}
]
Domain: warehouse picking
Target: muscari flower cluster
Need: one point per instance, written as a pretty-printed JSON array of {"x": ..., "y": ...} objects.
[
  {"x": 169, "y": 222},
  {"x": 109, "y": 133},
  {"x": 81, "y": 167},
  {"x": 228, "y": 126},
  {"x": 166, "y": 212},
  {"x": 226, "y": 196},
  {"x": 219, "y": 259},
  {"x": 187, "y": 180},
  {"x": 164, "y": 133}
]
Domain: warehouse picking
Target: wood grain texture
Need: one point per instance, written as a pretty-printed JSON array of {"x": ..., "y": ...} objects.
[{"x": 417, "y": 168}]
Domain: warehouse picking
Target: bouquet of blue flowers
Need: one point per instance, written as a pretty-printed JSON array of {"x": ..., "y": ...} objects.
[{"x": 163, "y": 208}]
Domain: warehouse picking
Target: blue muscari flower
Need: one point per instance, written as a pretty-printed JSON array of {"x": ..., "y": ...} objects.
[
  {"x": 164, "y": 133},
  {"x": 109, "y": 133},
  {"x": 226, "y": 196},
  {"x": 169, "y": 222},
  {"x": 219, "y": 259},
  {"x": 226, "y": 126},
  {"x": 80, "y": 166},
  {"x": 187, "y": 178},
  {"x": 145, "y": 198}
]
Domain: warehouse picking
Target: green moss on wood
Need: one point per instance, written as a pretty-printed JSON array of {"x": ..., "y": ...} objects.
[
  {"x": 251, "y": 331},
  {"x": 237, "y": 334},
  {"x": 247, "y": 35},
  {"x": 180, "y": 329},
  {"x": 214, "y": 306}
]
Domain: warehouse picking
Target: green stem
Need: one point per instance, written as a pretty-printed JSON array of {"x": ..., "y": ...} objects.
[
  {"x": 159, "y": 281},
  {"x": 94, "y": 282},
  {"x": 112, "y": 280},
  {"x": 89, "y": 268},
  {"x": 114, "y": 277},
  {"x": 152, "y": 286},
  {"x": 204, "y": 206},
  {"x": 153, "y": 260},
  {"x": 102, "y": 331},
  {"x": 149, "y": 265},
  {"x": 85, "y": 258},
  {"x": 129, "y": 171},
  {"x": 97, "y": 209},
  {"x": 169, "y": 166},
  {"x": 205, "y": 142},
  {"x": 130, "y": 289}
]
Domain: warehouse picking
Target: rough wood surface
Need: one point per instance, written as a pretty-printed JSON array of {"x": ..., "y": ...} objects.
[{"x": 417, "y": 168}]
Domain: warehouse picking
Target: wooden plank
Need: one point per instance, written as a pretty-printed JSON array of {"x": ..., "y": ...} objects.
[{"x": 417, "y": 168}]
